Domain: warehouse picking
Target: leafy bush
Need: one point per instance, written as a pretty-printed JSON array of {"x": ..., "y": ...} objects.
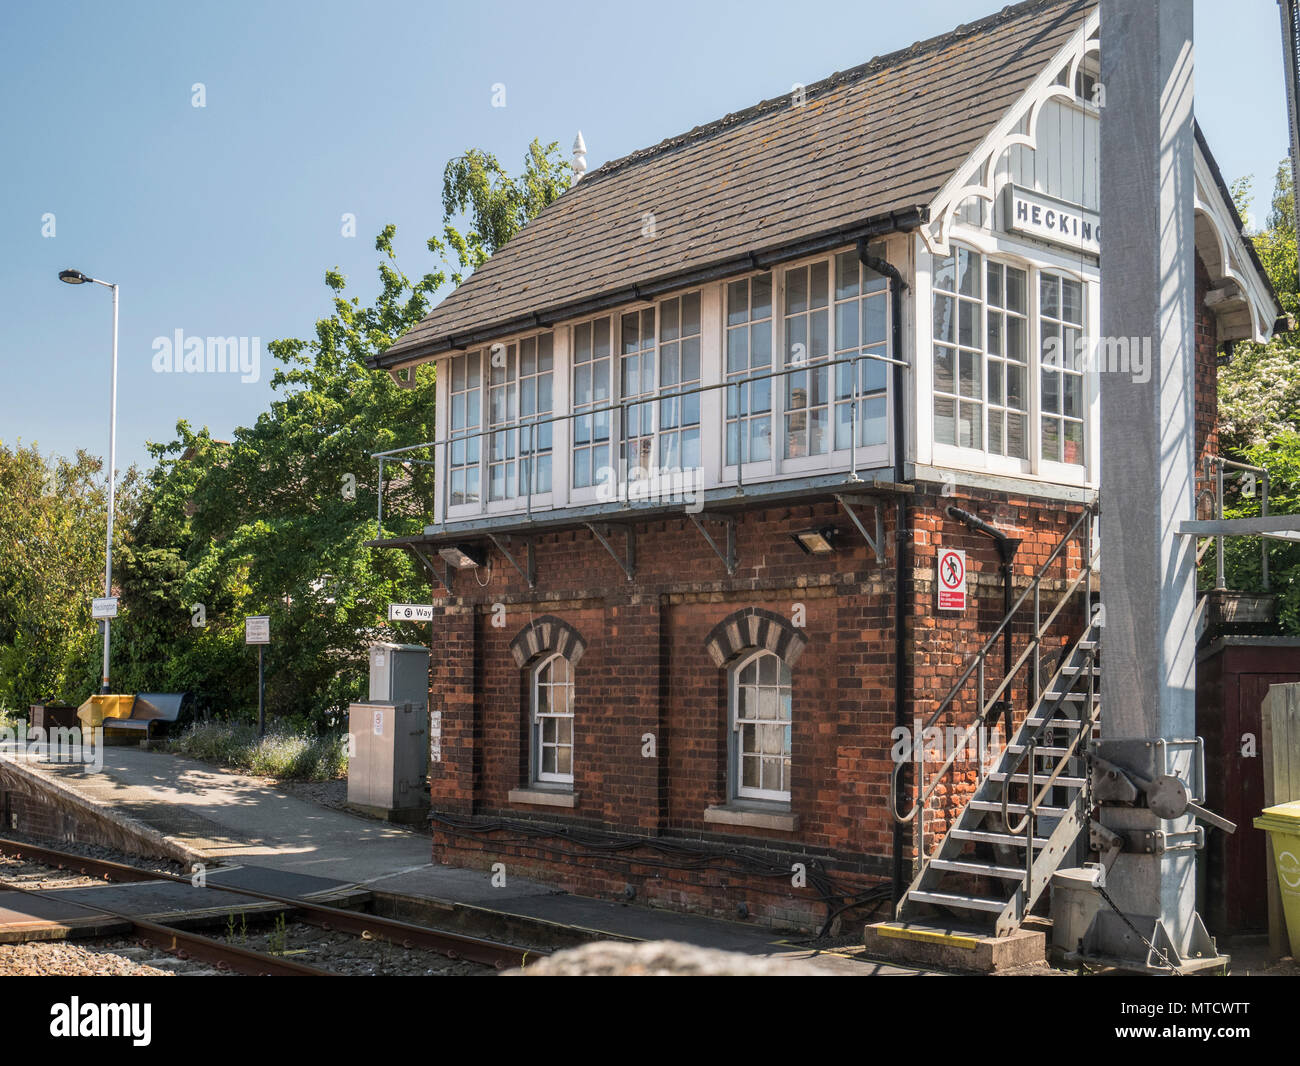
[{"x": 291, "y": 756}]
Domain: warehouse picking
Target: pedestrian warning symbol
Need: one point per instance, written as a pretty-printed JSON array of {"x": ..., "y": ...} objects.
[{"x": 952, "y": 580}]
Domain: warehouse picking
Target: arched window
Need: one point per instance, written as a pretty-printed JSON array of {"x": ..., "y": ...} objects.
[
  {"x": 761, "y": 726},
  {"x": 552, "y": 721}
]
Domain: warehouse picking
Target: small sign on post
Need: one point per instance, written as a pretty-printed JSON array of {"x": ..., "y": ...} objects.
[
  {"x": 410, "y": 612},
  {"x": 952, "y": 580},
  {"x": 257, "y": 630},
  {"x": 103, "y": 607}
]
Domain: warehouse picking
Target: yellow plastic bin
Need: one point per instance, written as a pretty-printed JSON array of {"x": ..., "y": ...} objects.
[
  {"x": 1283, "y": 825},
  {"x": 93, "y": 712}
]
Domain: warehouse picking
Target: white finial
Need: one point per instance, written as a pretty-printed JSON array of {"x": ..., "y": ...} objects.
[{"x": 579, "y": 158}]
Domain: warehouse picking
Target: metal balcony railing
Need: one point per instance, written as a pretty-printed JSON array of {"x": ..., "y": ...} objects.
[
  {"x": 1216, "y": 468},
  {"x": 527, "y": 453}
]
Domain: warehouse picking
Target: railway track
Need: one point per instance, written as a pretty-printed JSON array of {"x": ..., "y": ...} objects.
[{"x": 223, "y": 955}]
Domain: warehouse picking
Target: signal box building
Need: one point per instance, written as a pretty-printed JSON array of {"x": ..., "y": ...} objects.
[{"x": 706, "y": 427}]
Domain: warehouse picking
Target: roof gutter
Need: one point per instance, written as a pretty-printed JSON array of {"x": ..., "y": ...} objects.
[{"x": 891, "y": 222}]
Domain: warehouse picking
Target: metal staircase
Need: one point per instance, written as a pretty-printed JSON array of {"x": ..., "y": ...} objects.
[{"x": 1030, "y": 810}]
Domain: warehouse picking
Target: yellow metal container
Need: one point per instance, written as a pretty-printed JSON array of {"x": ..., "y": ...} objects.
[
  {"x": 93, "y": 712},
  {"x": 1283, "y": 825}
]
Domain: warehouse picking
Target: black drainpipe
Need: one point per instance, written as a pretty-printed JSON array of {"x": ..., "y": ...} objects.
[
  {"x": 1006, "y": 553},
  {"x": 902, "y": 540}
]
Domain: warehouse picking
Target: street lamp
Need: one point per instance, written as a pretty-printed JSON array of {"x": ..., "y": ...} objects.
[{"x": 76, "y": 277}]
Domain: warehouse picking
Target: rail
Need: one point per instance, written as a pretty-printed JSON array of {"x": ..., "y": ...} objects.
[
  {"x": 976, "y": 667},
  {"x": 620, "y": 408},
  {"x": 370, "y": 926},
  {"x": 1214, "y": 475}
]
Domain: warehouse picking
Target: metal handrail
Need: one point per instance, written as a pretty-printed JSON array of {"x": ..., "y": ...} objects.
[
  {"x": 1031, "y": 808},
  {"x": 662, "y": 393},
  {"x": 1214, "y": 469},
  {"x": 976, "y": 665}
]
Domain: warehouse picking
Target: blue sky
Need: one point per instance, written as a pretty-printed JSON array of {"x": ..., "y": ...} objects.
[{"x": 221, "y": 220}]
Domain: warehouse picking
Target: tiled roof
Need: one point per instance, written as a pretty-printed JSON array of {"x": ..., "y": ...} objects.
[{"x": 864, "y": 154}]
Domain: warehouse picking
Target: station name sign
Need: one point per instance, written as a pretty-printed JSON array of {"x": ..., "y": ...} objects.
[{"x": 1054, "y": 221}]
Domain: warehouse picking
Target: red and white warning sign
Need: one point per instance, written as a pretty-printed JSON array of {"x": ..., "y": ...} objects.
[{"x": 952, "y": 580}]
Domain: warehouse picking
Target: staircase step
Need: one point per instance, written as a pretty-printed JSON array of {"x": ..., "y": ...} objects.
[
  {"x": 965, "y": 903},
  {"x": 1039, "y": 779},
  {"x": 1067, "y": 723},
  {"x": 1094, "y": 669},
  {"x": 995, "y": 807},
  {"x": 988, "y": 836},
  {"x": 980, "y": 869},
  {"x": 1043, "y": 749},
  {"x": 1070, "y": 697}
]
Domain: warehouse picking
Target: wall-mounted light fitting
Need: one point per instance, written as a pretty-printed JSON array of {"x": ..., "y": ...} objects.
[
  {"x": 464, "y": 556},
  {"x": 816, "y": 541}
]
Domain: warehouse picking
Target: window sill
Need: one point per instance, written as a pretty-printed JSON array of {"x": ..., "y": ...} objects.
[
  {"x": 543, "y": 797},
  {"x": 754, "y": 815}
]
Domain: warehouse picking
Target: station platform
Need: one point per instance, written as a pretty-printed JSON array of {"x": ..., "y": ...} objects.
[{"x": 261, "y": 837}]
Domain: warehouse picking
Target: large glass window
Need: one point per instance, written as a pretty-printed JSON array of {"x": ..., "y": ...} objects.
[
  {"x": 1007, "y": 350},
  {"x": 762, "y": 721},
  {"x": 1060, "y": 308},
  {"x": 503, "y": 411},
  {"x": 983, "y": 372},
  {"x": 519, "y": 392},
  {"x": 749, "y": 352},
  {"x": 807, "y": 342},
  {"x": 679, "y": 368},
  {"x": 637, "y": 380},
  {"x": 553, "y": 721},
  {"x": 861, "y": 325},
  {"x": 591, "y": 364},
  {"x": 466, "y": 396},
  {"x": 958, "y": 340}
]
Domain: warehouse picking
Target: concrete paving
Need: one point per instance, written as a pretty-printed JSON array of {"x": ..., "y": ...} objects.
[{"x": 261, "y": 834}]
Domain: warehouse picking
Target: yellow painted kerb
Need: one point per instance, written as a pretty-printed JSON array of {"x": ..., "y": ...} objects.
[{"x": 930, "y": 936}]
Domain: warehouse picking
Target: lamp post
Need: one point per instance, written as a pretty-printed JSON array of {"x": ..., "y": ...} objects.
[{"x": 76, "y": 277}]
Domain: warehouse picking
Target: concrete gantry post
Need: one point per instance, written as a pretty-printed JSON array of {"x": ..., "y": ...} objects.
[{"x": 1147, "y": 484}]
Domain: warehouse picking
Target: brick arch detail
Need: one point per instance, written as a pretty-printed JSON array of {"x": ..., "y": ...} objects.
[
  {"x": 544, "y": 636},
  {"x": 754, "y": 627}
]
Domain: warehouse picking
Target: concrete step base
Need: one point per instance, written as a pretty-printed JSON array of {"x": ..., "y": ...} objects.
[{"x": 953, "y": 948}]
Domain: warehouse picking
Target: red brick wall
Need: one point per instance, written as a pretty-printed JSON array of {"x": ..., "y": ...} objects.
[{"x": 645, "y": 670}]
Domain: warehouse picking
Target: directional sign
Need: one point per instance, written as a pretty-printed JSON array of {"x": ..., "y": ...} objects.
[
  {"x": 410, "y": 612},
  {"x": 257, "y": 629},
  {"x": 952, "y": 580},
  {"x": 104, "y": 607}
]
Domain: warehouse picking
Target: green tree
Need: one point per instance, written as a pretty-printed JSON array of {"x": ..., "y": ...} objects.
[
  {"x": 497, "y": 205},
  {"x": 277, "y": 521},
  {"x": 1259, "y": 415},
  {"x": 53, "y": 514}
]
